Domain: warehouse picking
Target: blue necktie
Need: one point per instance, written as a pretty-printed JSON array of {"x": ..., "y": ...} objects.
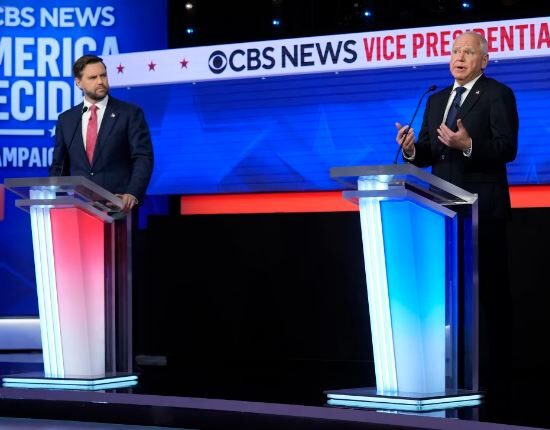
[{"x": 453, "y": 110}]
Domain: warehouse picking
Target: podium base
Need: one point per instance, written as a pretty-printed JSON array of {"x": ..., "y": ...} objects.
[
  {"x": 84, "y": 383},
  {"x": 369, "y": 397}
]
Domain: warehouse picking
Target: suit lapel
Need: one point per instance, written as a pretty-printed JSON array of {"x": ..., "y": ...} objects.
[
  {"x": 441, "y": 104},
  {"x": 78, "y": 140},
  {"x": 438, "y": 108},
  {"x": 109, "y": 118},
  {"x": 472, "y": 98}
]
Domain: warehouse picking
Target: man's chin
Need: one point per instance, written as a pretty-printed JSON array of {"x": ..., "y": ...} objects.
[
  {"x": 459, "y": 76},
  {"x": 99, "y": 96}
]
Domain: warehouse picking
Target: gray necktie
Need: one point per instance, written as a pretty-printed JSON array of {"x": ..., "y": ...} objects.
[{"x": 453, "y": 110}]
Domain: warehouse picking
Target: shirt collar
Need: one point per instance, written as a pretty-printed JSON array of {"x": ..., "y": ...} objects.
[
  {"x": 102, "y": 104},
  {"x": 469, "y": 85}
]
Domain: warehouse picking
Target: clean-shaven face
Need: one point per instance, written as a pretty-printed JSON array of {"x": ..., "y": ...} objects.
[{"x": 467, "y": 58}]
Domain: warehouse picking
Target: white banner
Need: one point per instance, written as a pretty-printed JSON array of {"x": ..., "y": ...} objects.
[{"x": 393, "y": 48}]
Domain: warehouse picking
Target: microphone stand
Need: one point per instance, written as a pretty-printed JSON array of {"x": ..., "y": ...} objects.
[
  {"x": 429, "y": 90},
  {"x": 78, "y": 125}
]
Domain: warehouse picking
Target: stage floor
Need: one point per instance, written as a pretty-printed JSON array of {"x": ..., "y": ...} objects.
[
  {"x": 256, "y": 401},
  {"x": 33, "y": 424}
]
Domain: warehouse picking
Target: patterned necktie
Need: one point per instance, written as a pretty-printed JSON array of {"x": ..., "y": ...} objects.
[
  {"x": 91, "y": 133},
  {"x": 453, "y": 110}
]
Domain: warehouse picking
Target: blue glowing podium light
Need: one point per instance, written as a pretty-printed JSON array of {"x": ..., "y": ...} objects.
[
  {"x": 410, "y": 251},
  {"x": 368, "y": 399},
  {"x": 419, "y": 236},
  {"x": 70, "y": 383}
]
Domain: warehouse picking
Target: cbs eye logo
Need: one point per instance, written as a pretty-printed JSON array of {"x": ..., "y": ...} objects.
[{"x": 217, "y": 62}]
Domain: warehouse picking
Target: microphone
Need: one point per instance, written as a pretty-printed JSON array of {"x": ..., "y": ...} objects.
[
  {"x": 78, "y": 126},
  {"x": 429, "y": 90}
]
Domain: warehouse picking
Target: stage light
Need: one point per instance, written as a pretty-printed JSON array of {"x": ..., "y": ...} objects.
[
  {"x": 367, "y": 13},
  {"x": 189, "y": 30},
  {"x": 466, "y": 5},
  {"x": 189, "y": 6},
  {"x": 276, "y": 22}
]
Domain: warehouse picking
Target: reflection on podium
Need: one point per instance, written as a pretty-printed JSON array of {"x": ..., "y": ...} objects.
[
  {"x": 82, "y": 265},
  {"x": 419, "y": 237}
]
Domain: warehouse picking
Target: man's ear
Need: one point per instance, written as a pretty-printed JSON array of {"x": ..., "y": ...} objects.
[{"x": 484, "y": 61}]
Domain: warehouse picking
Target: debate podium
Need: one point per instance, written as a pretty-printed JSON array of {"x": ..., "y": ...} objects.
[
  {"x": 82, "y": 248},
  {"x": 419, "y": 236}
]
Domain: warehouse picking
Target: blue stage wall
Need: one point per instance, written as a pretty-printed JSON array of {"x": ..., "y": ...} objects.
[
  {"x": 285, "y": 133},
  {"x": 242, "y": 135},
  {"x": 39, "y": 42}
]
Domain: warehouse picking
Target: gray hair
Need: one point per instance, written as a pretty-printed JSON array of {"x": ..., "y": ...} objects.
[{"x": 482, "y": 41}]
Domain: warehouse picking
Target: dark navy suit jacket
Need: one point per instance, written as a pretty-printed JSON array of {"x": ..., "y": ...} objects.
[
  {"x": 489, "y": 114},
  {"x": 123, "y": 157}
]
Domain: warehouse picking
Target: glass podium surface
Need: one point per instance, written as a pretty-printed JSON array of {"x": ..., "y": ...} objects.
[
  {"x": 81, "y": 246},
  {"x": 419, "y": 237}
]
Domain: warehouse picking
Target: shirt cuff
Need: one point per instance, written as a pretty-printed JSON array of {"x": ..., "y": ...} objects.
[
  {"x": 407, "y": 156},
  {"x": 468, "y": 152}
]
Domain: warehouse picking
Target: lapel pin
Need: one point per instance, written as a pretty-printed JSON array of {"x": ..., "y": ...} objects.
[
  {"x": 113, "y": 114},
  {"x": 477, "y": 92}
]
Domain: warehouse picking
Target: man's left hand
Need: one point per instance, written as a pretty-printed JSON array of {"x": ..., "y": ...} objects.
[
  {"x": 128, "y": 202},
  {"x": 457, "y": 140}
]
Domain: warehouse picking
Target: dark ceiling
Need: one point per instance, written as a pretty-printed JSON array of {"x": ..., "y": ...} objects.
[{"x": 219, "y": 22}]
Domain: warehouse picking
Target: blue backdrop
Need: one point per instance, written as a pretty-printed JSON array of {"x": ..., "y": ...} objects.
[
  {"x": 39, "y": 42},
  {"x": 242, "y": 135},
  {"x": 285, "y": 133}
]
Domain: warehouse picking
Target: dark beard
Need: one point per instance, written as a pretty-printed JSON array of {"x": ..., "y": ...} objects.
[{"x": 93, "y": 96}]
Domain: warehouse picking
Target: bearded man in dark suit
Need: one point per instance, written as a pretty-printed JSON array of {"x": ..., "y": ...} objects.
[
  {"x": 104, "y": 139},
  {"x": 108, "y": 141},
  {"x": 469, "y": 146}
]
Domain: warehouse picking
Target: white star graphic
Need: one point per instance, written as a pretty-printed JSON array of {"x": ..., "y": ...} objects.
[{"x": 52, "y": 131}]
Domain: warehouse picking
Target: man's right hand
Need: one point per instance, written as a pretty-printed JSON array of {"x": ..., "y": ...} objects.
[{"x": 408, "y": 144}]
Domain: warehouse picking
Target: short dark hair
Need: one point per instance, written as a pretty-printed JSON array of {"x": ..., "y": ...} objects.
[{"x": 83, "y": 61}]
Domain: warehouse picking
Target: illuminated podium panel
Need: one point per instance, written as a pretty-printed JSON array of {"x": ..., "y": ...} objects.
[
  {"x": 419, "y": 236},
  {"x": 82, "y": 266}
]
